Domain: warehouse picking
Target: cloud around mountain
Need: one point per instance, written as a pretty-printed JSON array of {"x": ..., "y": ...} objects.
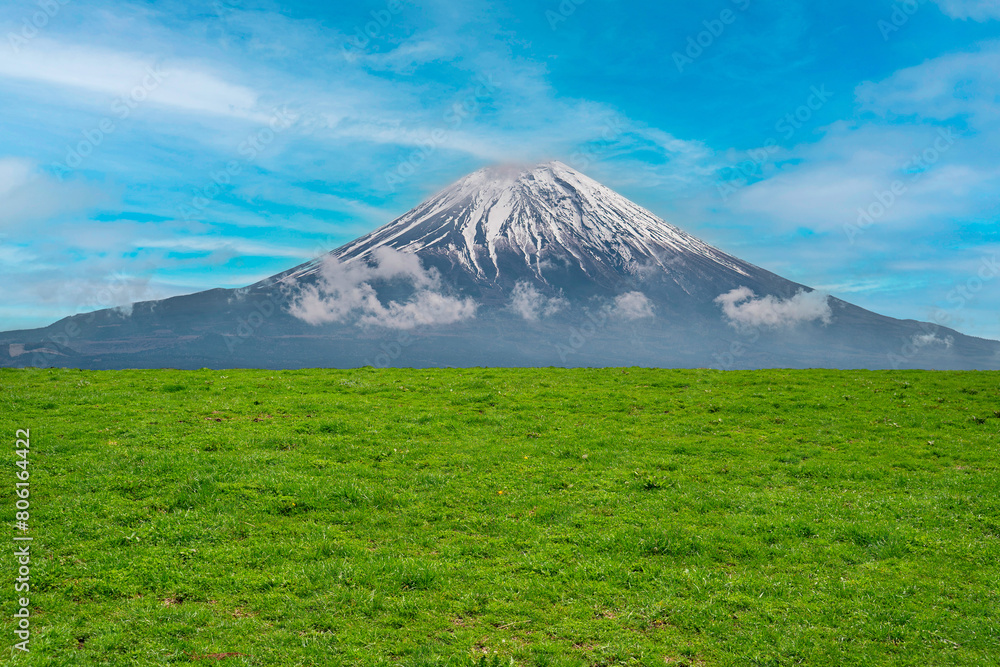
[
  {"x": 344, "y": 291},
  {"x": 532, "y": 305},
  {"x": 632, "y": 306},
  {"x": 929, "y": 339},
  {"x": 744, "y": 309}
]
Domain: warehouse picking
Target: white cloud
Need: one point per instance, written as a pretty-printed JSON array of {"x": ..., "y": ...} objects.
[
  {"x": 220, "y": 247},
  {"x": 13, "y": 255},
  {"x": 826, "y": 194},
  {"x": 928, "y": 339},
  {"x": 28, "y": 195},
  {"x": 955, "y": 84},
  {"x": 744, "y": 309},
  {"x": 940, "y": 161},
  {"x": 290, "y": 195},
  {"x": 632, "y": 306},
  {"x": 532, "y": 305},
  {"x": 854, "y": 286},
  {"x": 342, "y": 100},
  {"x": 133, "y": 78},
  {"x": 425, "y": 308},
  {"x": 116, "y": 290},
  {"x": 977, "y": 10},
  {"x": 407, "y": 57},
  {"x": 344, "y": 291},
  {"x": 13, "y": 174},
  {"x": 56, "y": 284}
]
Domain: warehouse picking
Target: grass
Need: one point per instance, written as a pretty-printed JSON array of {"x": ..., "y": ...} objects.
[{"x": 507, "y": 517}]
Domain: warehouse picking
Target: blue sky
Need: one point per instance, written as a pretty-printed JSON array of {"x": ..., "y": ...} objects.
[{"x": 156, "y": 148}]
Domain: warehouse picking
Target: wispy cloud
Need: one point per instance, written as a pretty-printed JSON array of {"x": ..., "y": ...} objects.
[
  {"x": 954, "y": 85},
  {"x": 28, "y": 195},
  {"x": 904, "y": 165},
  {"x": 977, "y": 10},
  {"x": 133, "y": 78}
]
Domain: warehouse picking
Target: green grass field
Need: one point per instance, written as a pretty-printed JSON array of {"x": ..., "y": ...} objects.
[{"x": 506, "y": 517}]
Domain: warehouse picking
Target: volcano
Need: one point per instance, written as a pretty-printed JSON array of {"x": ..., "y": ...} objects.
[{"x": 510, "y": 266}]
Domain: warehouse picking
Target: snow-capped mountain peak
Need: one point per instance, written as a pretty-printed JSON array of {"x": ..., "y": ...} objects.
[{"x": 532, "y": 217}]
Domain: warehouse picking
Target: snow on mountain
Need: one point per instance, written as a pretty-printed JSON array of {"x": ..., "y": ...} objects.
[{"x": 531, "y": 217}]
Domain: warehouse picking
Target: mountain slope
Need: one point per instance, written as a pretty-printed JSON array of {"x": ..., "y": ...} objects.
[
  {"x": 512, "y": 266},
  {"x": 535, "y": 215}
]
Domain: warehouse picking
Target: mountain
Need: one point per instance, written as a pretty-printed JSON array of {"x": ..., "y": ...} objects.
[
  {"x": 500, "y": 225},
  {"x": 510, "y": 266}
]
